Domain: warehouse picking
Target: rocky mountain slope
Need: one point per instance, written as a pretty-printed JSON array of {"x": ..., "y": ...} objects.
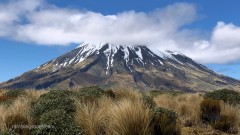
[{"x": 110, "y": 66}]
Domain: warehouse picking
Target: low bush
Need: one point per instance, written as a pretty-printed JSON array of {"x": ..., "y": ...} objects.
[
  {"x": 92, "y": 91},
  {"x": 210, "y": 110},
  {"x": 57, "y": 122},
  {"x": 51, "y": 101},
  {"x": 164, "y": 122},
  {"x": 228, "y": 96},
  {"x": 90, "y": 94},
  {"x": 148, "y": 101},
  {"x": 55, "y": 110}
]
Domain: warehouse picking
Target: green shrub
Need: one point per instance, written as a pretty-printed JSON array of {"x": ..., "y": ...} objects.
[
  {"x": 229, "y": 96},
  {"x": 164, "y": 122},
  {"x": 13, "y": 121},
  {"x": 57, "y": 122},
  {"x": 53, "y": 100},
  {"x": 226, "y": 124},
  {"x": 90, "y": 94},
  {"x": 55, "y": 109},
  {"x": 92, "y": 91},
  {"x": 210, "y": 110},
  {"x": 148, "y": 101}
]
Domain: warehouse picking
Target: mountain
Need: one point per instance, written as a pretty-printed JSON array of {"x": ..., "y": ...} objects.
[{"x": 111, "y": 66}]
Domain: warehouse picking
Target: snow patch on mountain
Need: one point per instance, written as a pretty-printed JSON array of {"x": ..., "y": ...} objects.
[{"x": 140, "y": 54}]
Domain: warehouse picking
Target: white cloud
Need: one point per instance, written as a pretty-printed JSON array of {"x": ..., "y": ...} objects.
[
  {"x": 50, "y": 25},
  {"x": 223, "y": 47},
  {"x": 12, "y": 14},
  {"x": 37, "y": 22},
  {"x": 226, "y": 35}
]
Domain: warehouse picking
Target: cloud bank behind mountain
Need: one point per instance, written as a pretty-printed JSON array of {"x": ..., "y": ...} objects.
[{"x": 40, "y": 23}]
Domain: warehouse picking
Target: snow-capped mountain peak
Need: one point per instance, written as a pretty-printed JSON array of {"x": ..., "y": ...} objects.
[
  {"x": 110, "y": 65},
  {"x": 140, "y": 55}
]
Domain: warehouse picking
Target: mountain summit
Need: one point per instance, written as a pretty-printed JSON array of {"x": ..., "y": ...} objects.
[{"x": 110, "y": 66}]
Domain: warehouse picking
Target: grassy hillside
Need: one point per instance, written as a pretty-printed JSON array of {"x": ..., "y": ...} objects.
[{"x": 93, "y": 111}]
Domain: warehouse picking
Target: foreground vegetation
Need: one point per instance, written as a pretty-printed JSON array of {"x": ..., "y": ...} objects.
[{"x": 93, "y": 111}]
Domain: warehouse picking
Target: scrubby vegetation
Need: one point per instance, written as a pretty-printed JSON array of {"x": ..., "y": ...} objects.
[
  {"x": 165, "y": 122},
  {"x": 228, "y": 96},
  {"x": 53, "y": 100},
  {"x": 94, "y": 111},
  {"x": 92, "y": 91},
  {"x": 55, "y": 109},
  {"x": 210, "y": 110}
]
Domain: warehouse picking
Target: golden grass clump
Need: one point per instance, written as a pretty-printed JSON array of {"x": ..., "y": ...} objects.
[
  {"x": 16, "y": 114},
  {"x": 187, "y": 106},
  {"x": 166, "y": 101},
  {"x": 233, "y": 111},
  {"x": 238, "y": 113},
  {"x": 127, "y": 117},
  {"x": 34, "y": 95},
  {"x": 2, "y": 91},
  {"x": 229, "y": 119},
  {"x": 2, "y": 123},
  {"x": 20, "y": 107},
  {"x": 131, "y": 94},
  {"x": 125, "y": 114},
  {"x": 93, "y": 117}
]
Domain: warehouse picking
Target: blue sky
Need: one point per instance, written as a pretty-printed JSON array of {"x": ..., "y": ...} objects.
[{"x": 24, "y": 45}]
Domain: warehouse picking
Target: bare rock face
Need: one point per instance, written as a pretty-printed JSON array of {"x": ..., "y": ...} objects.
[{"x": 110, "y": 66}]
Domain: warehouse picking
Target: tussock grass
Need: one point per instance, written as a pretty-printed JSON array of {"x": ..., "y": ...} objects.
[
  {"x": 119, "y": 117},
  {"x": 129, "y": 118},
  {"x": 127, "y": 112},
  {"x": 19, "y": 108},
  {"x": 93, "y": 118},
  {"x": 229, "y": 121},
  {"x": 2, "y": 91},
  {"x": 34, "y": 95},
  {"x": 2, "y": 122},
  {"x": 131, "y": 94},
  {"x": 186, "y": 105}
]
